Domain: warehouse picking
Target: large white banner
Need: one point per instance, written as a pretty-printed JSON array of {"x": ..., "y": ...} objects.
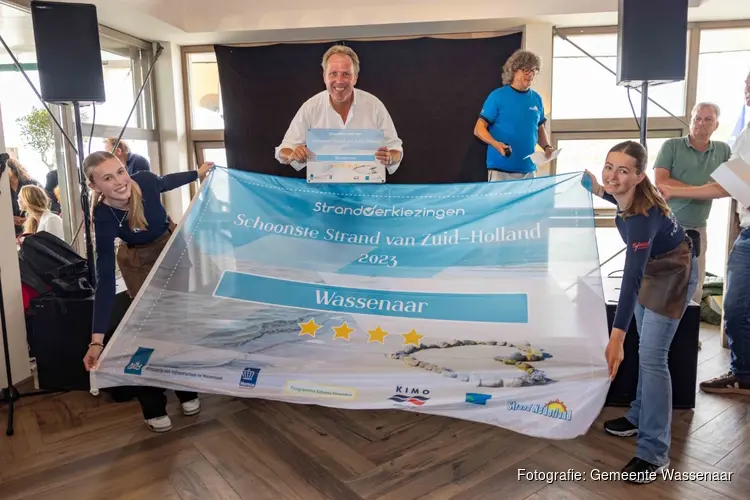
[{"x": 475, "y": 301}]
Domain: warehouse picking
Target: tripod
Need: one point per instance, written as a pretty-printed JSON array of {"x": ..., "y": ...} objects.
[{"x": 10, "y": 394}]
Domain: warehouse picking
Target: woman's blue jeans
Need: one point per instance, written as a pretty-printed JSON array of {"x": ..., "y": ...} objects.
[{"x": 651, "y": 411}]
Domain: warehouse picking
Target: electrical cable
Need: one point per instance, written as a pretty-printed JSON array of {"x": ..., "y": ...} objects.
[
  {"x": 635, "y": 116},
  {"x": 93, "y": 120}
]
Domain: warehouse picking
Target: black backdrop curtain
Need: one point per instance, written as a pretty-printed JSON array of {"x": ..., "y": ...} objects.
[{"x": 433, "y": 89}]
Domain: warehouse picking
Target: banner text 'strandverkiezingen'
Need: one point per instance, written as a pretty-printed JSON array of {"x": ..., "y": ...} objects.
[{"x": 475, "y": 301}]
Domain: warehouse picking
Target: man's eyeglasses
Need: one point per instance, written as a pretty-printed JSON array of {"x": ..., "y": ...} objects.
[{"x": 707, "y": 121}]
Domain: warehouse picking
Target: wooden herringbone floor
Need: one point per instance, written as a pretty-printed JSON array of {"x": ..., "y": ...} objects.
[{"x": 74, "y": 446}]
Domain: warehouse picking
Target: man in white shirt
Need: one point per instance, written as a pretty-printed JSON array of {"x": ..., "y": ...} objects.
[
  {"x": 736, "y": 301},
  {"x": 340, "y": 106}
]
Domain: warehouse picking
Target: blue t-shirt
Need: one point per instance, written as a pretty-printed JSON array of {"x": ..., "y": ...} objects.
[
  {"x": 107, "y": 228},
  {"x": 513, "y": 117},
  {"x": 645, "y": 237}
]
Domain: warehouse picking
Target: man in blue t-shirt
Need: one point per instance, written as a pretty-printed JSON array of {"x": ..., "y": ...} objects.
[{"x": 512, "y": 121}]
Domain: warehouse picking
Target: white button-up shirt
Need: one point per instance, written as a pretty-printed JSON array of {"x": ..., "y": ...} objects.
[
  {"x": 741, "y": 150},
  {"x": 51, "y": 223},
  {"x": 367, "y": 112}
]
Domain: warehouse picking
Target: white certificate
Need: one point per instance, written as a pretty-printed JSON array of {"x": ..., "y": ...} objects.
[
  {"x": 344, "y": 156},
  {"x": 734, "y": 177}
]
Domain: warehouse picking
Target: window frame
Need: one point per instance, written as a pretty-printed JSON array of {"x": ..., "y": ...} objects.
[
  {"x": 146, "y": 113},
  {"x": 691, "y": 77},
  {"x": 587, "y": 127},
  {"x": 604, "y": 217}
]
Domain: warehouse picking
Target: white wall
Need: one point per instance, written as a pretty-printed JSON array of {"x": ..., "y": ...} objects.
[
  {"x": 10, "y": 281},
  {"x": 538, "y": 38},
  {"x": 172, "y": 131}
]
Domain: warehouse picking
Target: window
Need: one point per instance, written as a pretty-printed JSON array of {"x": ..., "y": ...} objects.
[
  {"x": 589, "y": 154},
  {"x": 119, "y": 91},
  {"x": 21, "y": 109},
  {"x": 574, "y": 253},
  {"x": 216, "y": 155},
  {"x": 608, "y": 244},
  {"x": 581, "y": 88},
  {"x": 135, "y": 146},
  {"x": 724, "y": 52},
  {"x": 206, "y": 111}
]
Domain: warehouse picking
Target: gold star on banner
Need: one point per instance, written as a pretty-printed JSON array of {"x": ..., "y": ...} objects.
[
  {"x": 377, "y": 335},
  {"x": 412, "y": 338},
  {"x": 342, "y": 331},
  {"x": 309, "y": 328}
]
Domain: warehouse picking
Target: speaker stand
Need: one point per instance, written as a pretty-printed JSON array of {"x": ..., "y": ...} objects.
[
  {"x": 644, "y": 112},
  {"x": 84, "y": 199}
]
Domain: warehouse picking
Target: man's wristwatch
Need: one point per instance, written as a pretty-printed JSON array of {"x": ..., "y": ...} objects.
[{"x": 547, "y": 146}]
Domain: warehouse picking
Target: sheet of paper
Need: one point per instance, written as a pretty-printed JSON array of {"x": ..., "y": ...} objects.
[
  {"x": 539, "y": 158},
  {"x": 344, "y": 156},
  {"x": 734, "y": 176}
]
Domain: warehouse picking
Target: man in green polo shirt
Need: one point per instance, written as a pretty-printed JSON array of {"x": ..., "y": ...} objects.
[{"x": 690, "y": 161}]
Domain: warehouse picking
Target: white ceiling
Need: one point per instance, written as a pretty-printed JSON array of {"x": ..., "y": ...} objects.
[{"x": 228, "y": 21}]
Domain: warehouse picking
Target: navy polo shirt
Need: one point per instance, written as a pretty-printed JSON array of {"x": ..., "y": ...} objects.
[
  {"x": 513, "y": 118},
  {"x": 137, "y": 163}
]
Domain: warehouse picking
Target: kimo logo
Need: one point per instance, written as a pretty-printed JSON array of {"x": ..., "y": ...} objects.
[
  {"x": 138, "y": 361},
  {"x": 411, "y": 396}
]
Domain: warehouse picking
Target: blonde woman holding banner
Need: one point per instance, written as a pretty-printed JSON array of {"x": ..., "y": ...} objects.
[{"x": 130, "y": 208}]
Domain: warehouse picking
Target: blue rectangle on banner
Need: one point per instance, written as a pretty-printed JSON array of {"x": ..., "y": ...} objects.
[{"x": 481, "y": 307}]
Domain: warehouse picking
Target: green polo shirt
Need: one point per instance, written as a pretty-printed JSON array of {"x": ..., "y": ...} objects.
[{"x": 690, "y": 166}]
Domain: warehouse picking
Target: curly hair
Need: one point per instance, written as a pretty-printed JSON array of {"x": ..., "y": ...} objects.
[{"x": 521, "y": 59}]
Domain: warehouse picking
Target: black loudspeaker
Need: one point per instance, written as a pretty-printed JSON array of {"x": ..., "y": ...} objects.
[
  {"x": 652, "y": 41},
  {"x": 68, "y": 52},
  {"x": 59, "y": 338},
  {"x": 59, "y": 332}
]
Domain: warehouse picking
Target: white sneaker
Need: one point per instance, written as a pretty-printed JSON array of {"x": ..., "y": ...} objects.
[
  {"x": 191, "y": 408},
  {"x": 160, "y": 424}
]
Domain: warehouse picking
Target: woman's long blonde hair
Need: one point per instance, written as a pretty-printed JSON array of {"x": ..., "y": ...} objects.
[
  {"x": 34, "y": 201},
  {"x": 646, "y": 195},
  {"x": 136, "y": 216}
]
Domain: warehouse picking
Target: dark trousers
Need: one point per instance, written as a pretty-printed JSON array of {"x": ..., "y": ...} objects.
[{"x": 154, "y": 400}]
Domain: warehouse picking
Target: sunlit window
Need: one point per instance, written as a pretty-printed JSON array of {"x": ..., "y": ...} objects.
[
  {"x": 29, "y": 133},
  {"x": 216, "y": 155},
  {"x": 205, "y": 93},
  {"x": 722, "y": 68},
  {"x": 581, "y": 88},
  {"x": 723, "y": 65},
  {"x": 589, "y": 154}
]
